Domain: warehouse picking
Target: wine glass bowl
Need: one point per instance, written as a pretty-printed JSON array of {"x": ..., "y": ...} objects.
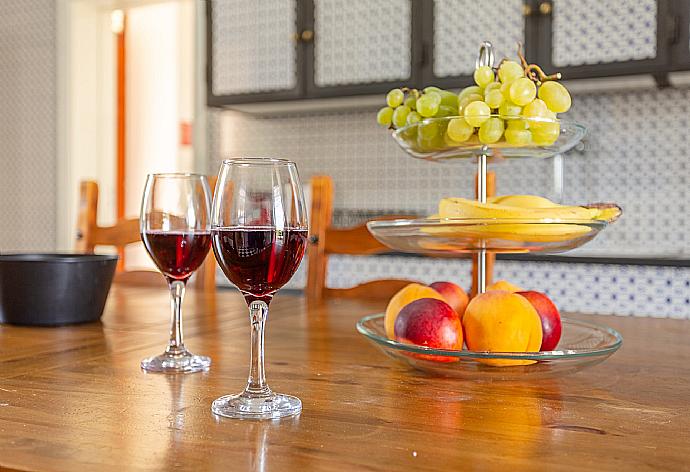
[
  {"x": 175, "y": 228},
  {"x": 259, "y": 235},
  {"x": 428, "y": 140}
]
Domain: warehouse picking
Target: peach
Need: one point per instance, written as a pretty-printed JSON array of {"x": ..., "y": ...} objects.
[
  {"x": 454, "y": 295},
  {"x": 550, "y": 318},
  {"x": 504, "y": 285},
  {"x": 500, "y": 321},
  {"x": 407, "y": 294},
  {"x": 430, "y": 322}
]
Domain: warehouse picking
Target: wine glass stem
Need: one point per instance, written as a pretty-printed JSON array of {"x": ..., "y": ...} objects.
[
  {"x": 176, "y": 343},
  {"x": 256, "y": 384}
]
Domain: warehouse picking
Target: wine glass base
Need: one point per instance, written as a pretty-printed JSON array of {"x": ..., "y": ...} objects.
[
  {"x": 243, "y": 406},
  {"x": 183, "y": 363}
]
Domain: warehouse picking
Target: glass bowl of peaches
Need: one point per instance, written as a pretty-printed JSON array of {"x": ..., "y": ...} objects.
[{"x": 505, "y": 333}]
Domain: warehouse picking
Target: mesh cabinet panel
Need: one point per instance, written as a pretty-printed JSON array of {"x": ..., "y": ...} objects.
[
  {"x": 253, "y": 49},
  {"x": 359, "y": 41},
  {"x": 461, "y": 25},
  {"x": 595, "y": 32}
]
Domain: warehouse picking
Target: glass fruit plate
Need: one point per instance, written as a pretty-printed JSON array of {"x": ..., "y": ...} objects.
[
  {"x": 449, "y": 236},
  {"x": 582, "y": 345},
  {"x": 428, "y": 139}
]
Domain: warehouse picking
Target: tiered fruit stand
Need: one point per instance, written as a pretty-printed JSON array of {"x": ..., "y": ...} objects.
[{"x": 582, "y": 344}]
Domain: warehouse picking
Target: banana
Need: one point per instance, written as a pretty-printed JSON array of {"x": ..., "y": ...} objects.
[
  {"x": 526, "y": 207},
  {"x": 523, "y": 201},
  {"x": 464, "y": 208},
  {"x": 525, "y": 232},
  {"x": 533, "y": 210}
]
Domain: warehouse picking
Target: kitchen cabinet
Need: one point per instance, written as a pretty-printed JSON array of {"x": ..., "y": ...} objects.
[
  {"x": 361, "y": 46},
  {"x": 456, "y": 28},
  {"x": 591, "y": 38},
  {"x": 271, "y": 50},
  {"x": 252, "y": 50}
]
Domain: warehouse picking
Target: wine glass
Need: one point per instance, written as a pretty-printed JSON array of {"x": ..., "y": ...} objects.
[
  {"x": 175, "y": 227},
  {"x": 259, "y": 232}
]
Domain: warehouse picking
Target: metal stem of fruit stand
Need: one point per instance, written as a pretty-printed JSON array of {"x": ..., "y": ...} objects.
[
  {"x": 486, "y": 57},
  {"x": 481, "y": 196}
]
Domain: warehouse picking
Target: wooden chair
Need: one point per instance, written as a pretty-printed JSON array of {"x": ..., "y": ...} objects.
[
  {"x": 325, "y": 240},
  {"x": 122, "y": 233}
]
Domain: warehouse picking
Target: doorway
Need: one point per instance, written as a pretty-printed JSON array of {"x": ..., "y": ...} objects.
[{"x": 132, "y": 93}]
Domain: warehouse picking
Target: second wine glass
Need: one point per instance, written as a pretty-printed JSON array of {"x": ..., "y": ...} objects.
[
  {"x": 259, "y": 230},
  {"x": 175, "y": 228}
]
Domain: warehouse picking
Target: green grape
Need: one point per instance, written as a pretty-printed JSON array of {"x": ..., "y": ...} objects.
[
  {"x": 517, "y": 124},
  {"x": 491, "y": 130},
  {"x": 468, "y": 91},
  {"x": 494, "y": 98},
  {"x": 459, "y": 130},
  {"x": 492, "y": 86},
  {"x": 467, "y": 99},
  {"x": 434, "y": 94},
  {"x": 483, "y": 76},
  {"x": 400, "y": 116},
  {"x": 395, "y": 98},
  {"x": 428, "y": 104},
  {"x": 430, "y": 135},
  {"x": 410, "y": 102},
  {"x": 535, "y": 109},
  {"x": 545, "y": 132},
  {"x": 556, "y": 96},
  {"x": 522, "y": 91},
  {"x": 509, "y": 71},
  {"x": 428, "y": 129},
  {"x": 431, "y": 88},
  {"x": 413, "y": 118},
  {"x": 445, "y": 111},
  {"x": 384, "y": 116},
  {"x": 505, "y": 89},
  {"x": 448, "y": 99},
  {"x": 476, "y": 113},
  {"x": 546, "y": 122},
  {"x": 508, "y": 110},
  {"x": 545, "y": 137},
  {"x": 518, "y": 137}
]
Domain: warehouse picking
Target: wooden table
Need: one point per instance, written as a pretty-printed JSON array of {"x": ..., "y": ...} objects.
[{"x": 74, "y": 398}]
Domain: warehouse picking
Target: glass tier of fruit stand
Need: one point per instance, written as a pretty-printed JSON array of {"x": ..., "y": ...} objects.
[{"x": 585, "y": 344}]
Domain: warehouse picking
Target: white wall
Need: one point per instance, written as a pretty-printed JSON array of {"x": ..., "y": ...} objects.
[{"x": 160, "y": 95}]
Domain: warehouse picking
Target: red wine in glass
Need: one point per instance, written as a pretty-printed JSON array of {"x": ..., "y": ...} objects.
[
  {"x": 177, "y": 253},
  {"x": 259, "y": 260}
]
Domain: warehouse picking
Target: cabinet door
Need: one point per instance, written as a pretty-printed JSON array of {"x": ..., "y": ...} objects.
[
  {"x": 252, "y": 51},
  {"x": 360, "y": 46},
  {"x": 458, "y": 27},
  {"x": 592, "y": 38}
]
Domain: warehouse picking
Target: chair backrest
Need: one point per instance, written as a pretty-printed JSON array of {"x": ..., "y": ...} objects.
[
  {"x": 325, "y": 240},
  {"x": 122, "y": 233}
]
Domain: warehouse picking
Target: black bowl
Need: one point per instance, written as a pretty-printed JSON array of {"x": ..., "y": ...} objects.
[{"x": 54, "y": 289}]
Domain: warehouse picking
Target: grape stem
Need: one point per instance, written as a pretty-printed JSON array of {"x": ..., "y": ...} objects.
[{"x": 533, "y": 71}]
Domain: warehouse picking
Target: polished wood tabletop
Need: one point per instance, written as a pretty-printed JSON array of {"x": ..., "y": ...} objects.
[{"x": 74, "y": 398}]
